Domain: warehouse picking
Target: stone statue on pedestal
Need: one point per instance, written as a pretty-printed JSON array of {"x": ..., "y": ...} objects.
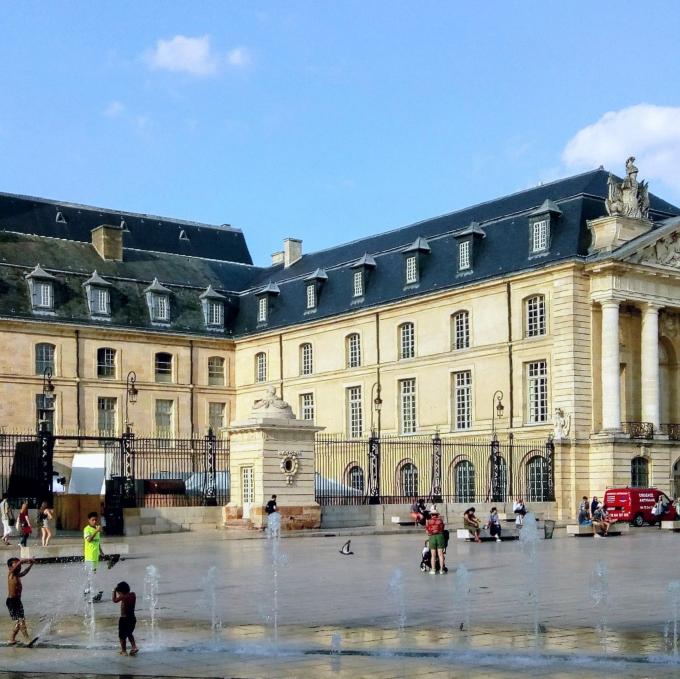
[
  {"x": 562, "y": 425},
  {"x": 272, "y": 406},
  {"x": 630, "y": 198}
]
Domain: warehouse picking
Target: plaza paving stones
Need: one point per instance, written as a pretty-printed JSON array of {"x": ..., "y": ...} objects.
[{"x": 340, "y": 616}]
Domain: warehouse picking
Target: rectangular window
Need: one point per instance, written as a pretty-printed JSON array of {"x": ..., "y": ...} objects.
[
  {"x": 164, "y": 424},
  {"x": 215, "y": 313},
  {"x": 462, "y": 398},
  {"x": 407, "y": 406},
  {"x": 216, "y": 371},
  {"x": 44, "y": 358},
  {"x": 161, "y": 308},
  {"x": 262, "y": 310},
  {"x": 411, "y": 269},
  {"x": 163, "y": 367},
  {"x": 307, "y": 406},
  {"x": 353, "y": 351},
  {"x": 461, "y": 330},
  {"x": 358, "y": 284},
  {"x": 216, "y": 416},
  {"x": 100, "y": 301},
  {"x": 311, "y": 296},
  {"x": 106, "y": 416},
  {"x": 261, "y": 367},
  {"x": 106, "y": 363},
  {"x": 44, "y": 411},
  {"x": 407, "y": 348},
  {"x": 537, "y": 390},
  {"x": 43, "y": 295},
  {"x": 539, "y": 236},
  {"x": 464, "y": 255},
  {"x": 355, "y": 416},
  {"x": 535, "y": 315}
]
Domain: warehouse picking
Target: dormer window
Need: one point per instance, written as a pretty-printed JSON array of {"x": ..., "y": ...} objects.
[
  {"x": 98, "y": 295},
  {"x": 413, "y": 257},
  {"x": 469, "y": 243},
  {"x": 263, "y": 297},
  {"x": 158, "y": 302},
  {"x": 362, "y": 269},
  {"x": 41, "y": 288},
  {"x": 464, "y": 255},
  {"x": 213, "y": 309},
  {"x": 358, "y": 284},
  {"x": 262, "y": 309},
  {"x": 313, "y": 286},
  {"x": 411, "y": 269},
  {"x": 541, "y": 222},
  {"x": 311, "y": 296}
]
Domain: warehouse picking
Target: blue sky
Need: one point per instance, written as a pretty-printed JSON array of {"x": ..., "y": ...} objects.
[{"x": 329, "y": 121}]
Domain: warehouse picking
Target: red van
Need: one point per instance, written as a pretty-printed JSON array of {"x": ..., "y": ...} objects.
[{"x": 635, "y": 505}]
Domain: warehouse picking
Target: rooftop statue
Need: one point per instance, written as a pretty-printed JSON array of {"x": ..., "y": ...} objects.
[{"x": 630, "y": 198}]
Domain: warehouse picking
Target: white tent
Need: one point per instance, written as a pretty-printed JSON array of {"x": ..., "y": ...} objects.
[{"x": 88, "y": 474}]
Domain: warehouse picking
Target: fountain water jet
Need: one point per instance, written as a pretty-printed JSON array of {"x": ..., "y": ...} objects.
[
  {"x": 151, "y": 579},
  {"x": 599, "y": 593},
  {"x": 528, "y": 538},
  {"x": 397, "y": 592},
  {"x": 671, "y": 631},
  {"x": 462, "y": 599},
  {"x": 274, "y": 537},
  {"x": 210, "y": 600}
]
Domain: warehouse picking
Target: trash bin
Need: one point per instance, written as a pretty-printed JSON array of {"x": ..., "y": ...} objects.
[{"x": 548, "y": 527}]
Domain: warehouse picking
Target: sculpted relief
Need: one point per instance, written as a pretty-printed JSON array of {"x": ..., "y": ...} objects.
[{"x": 666, "y": 252}]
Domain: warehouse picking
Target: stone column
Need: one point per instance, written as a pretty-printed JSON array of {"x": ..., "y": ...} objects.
[
  {"x": 649, "y": 355},
  {"x": 611, "y": 366}
]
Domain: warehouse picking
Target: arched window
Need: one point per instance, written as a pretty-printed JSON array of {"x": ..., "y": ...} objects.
[
  {"x": 353, "y": 350},
  {"x": 537, "y": 480},
  {"x": 534, "y": 316},
  {"x": 409, "y": 480},
  {"x": 106, "y": 362},
  {"x": 261, "y": 367},
  {"x": 44, "y": 358},
  {"x": 216, "y": 370},
  {"x": 639, "y": 472},
  {"x": 460, "y": 330},
  {"x": 163, "y": 367},
  {"x": 464, "y": 473},
  {"x": 355, "y": 478},
  {"x": 407, "y": 340},
  {"x": 306, "y": 359}
]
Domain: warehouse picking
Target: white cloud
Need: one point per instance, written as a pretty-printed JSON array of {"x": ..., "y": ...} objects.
[
  {"x": 114, "y": 109},
  {"x": 184, "y": 55},
  {"x": 648, "y": 132},
  {"x": 194, "y": 56}
]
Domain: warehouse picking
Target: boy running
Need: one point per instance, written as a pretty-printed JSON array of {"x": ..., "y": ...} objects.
[
  {"x": 92, "y": 552},
  {"x": 14, "y": 605},
  {"x": 127, "y": 620}
]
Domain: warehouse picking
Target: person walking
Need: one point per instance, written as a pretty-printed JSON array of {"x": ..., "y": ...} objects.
[
  {"x": 127, "y": 620},
  {"x": 520, "y": 511},
  {"x": 45, "y": 515},
  {"x": 14, "y": 604},
  {"x": 435, "y": 529},
  {"x": 25, "y": 527},
  {"x": 92, "y": 553},
  {"x": 7, "y": 517},
  {"x": 494, "y": 524}
]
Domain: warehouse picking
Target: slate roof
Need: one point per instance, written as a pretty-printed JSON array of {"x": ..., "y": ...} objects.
[{"x": 29, "y": 234}]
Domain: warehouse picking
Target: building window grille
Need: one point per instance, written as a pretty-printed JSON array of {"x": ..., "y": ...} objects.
[
  {"x": 465, "y": 481},
  {"x": 537, "y": 388},
  {"x": 306, "y": 359},
  {"x": 358, "y": 284},
  {"x": 44, "y": 358},
  {"x": 355, "y": 478},
  {"x": 311, "y": 296},
  {"x": 463, "y": 399},
  {"x": 354, "y": 413},
  {"x": 106, "y": 416},
  {"x": 216, "y": 413},
  {"x": 411, "y": 269},
  {"x": 307, "y": 406},
  {"x": 215, "y": 313},
  {"x": 537, "y": 480},
  {"x": 539, "y": 236},
  {"x": 461, "y": 330},
  {"x": 407, "y": 342},
  {"x": 164, "y": 418},
  {"x": 535, "y": 316},
  {"x": 353, "y": 350},
  {"x": 106, "y": 363},
  {"x": 262, "y": 310},
  {"x": 163, "y": 367},
  {"x": 44, "y": 411},
  {"x": 639, "y": 473},
  {"x": 409, "y": 480},
  {"x": 216, "y": 371},
  {"x": 407, "y": 402},
  {"x": 261, "y": 367},
  {"x": 464, "y": 255}
]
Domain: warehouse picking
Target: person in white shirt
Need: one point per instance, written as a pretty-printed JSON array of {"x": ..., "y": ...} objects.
[{"x": 6, "y": 516}]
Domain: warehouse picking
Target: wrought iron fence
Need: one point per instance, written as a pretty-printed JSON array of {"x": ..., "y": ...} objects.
[
  {"x": 399, "y": 469},
  {"x": 24, "y": 474},
  {"x": 638, "y": 430}
]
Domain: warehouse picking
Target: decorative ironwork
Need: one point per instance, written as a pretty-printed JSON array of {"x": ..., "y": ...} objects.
[
  {"x": 128, "y": 468},
  {"x": 497, "y": 491},
  {"x": 374, "y": 470},
  {"x": 550, "y": 471},
  {"x": 671, "y": 429},
  {"x": 46, "y": 464},
  {"x": 638, "y": 430},
  {"x": 210, "y": 494},
  {"x": 436, "y": 489}
]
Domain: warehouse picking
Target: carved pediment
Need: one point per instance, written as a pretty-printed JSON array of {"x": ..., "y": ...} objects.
[{"x": 664, "y": 252}]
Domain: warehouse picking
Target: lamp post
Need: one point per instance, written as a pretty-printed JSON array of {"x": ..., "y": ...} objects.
[
  {"x": 131, "y": 392},
  {"x": 497, "y": 409},
  {"x": 376, "y": 406},
  {"x": 47, "y": 395}
]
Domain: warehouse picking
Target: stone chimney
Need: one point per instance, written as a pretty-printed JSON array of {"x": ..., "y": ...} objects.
[
  {"x": 292, "y": 251},
  {"x": 277, "y": 258},
  {"x": 108, "y": 242}
]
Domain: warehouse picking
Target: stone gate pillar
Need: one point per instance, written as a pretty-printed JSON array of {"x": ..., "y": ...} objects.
[{"x": 272, "y": 453}]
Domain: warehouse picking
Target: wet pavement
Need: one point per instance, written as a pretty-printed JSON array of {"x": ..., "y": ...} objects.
[{"x": 582, "y": 607}]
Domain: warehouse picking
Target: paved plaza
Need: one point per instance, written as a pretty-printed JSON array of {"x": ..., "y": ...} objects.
[{"x": 582, "y": 607}]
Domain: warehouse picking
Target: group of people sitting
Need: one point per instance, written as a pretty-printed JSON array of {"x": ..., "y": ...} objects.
[{"x": 595, "y": 514}]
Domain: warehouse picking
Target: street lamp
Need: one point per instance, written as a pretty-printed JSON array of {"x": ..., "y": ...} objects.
[
  {"x": 376, "y": 405},
  {"x": 497, "y": 409},
  {"x": 47, "y": 392},
  {"x": 130, "y": 396}
]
